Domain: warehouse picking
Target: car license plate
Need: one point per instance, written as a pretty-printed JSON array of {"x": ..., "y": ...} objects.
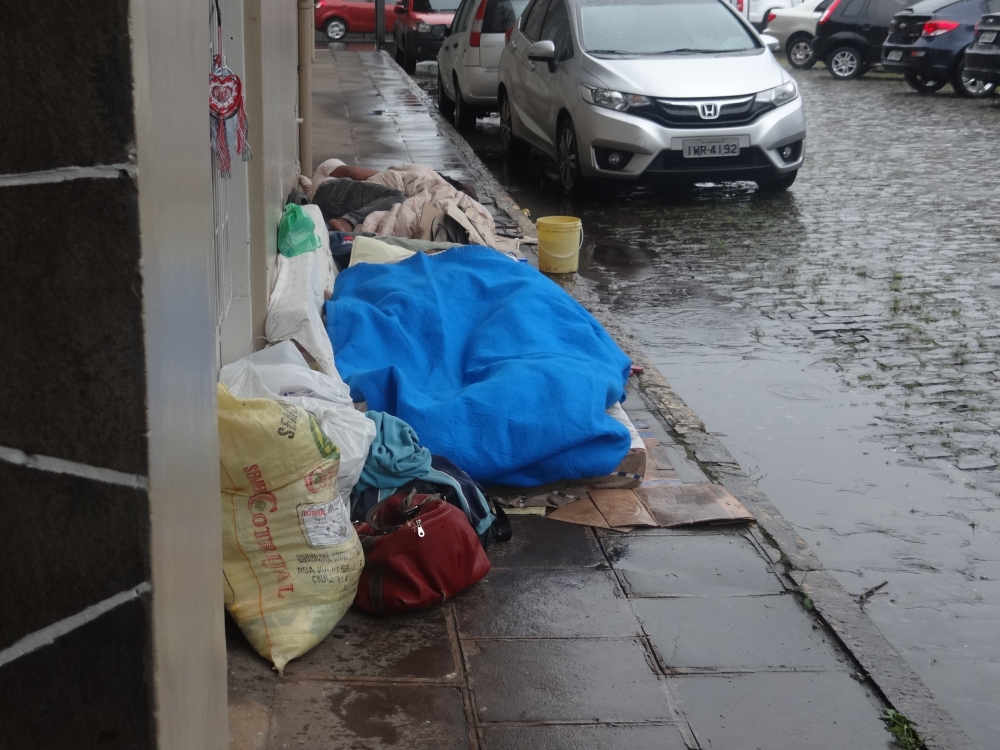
[
  {"x": 697, "y": 148},
  {"x": 896, "y": 54},
  {"x": 988, "y": 37}
]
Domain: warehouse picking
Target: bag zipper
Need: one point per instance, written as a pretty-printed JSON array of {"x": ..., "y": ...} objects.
[{"x": 420, "y": 529}]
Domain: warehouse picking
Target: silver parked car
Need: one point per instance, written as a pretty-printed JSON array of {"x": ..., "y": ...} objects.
[
  {"x": 758, "y": 10},
  {"x": 680, "y": 89},
  {"x": 469, "y": 59},
  {"x": 795, "y": 29}
]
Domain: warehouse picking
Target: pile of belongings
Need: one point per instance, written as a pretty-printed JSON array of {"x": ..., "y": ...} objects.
[{"x": 398, "y": 388}]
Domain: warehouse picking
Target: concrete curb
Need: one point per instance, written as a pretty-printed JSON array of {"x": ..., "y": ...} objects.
[{"x": 850, "y": 624}]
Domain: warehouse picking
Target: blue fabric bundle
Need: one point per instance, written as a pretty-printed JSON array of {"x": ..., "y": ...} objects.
[
  {"x": 396, "y": 458},
  {"x": 494, "y": 366}
]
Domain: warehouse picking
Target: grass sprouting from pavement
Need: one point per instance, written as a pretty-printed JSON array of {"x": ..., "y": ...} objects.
[{"x": 902, "y": 731}]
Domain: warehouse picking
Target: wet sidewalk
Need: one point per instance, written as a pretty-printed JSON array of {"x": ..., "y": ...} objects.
[{"x": 577, "y": 638}]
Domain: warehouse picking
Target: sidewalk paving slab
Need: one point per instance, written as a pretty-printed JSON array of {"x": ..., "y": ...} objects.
[
  {"x": 588, "y": 737},
  {"x": 315, "y": 715},
  {"x": 545, "y": 604},
  {"x": 743, "y": 633},
  {"x": 565, "y": 679},
  {"x": 782, "y": 711},
  {"x": 702, "y": 564}
]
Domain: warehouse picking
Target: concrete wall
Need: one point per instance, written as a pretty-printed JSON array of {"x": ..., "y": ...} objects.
[
  {"x": 111, "y": 632},
  {"x": 236, "y": 329},
  {"x": 170, "y": 53},
  {"x": 271, "y": 39}
]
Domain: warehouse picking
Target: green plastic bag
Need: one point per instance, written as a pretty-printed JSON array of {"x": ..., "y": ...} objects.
[{"x": 296, "y": 232}]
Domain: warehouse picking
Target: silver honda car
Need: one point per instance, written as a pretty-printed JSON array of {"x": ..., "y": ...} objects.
[{"x": 678, "y": 89}]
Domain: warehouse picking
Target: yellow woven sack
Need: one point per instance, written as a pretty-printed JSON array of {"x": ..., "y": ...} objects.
[{"x": 290, "y": 554}]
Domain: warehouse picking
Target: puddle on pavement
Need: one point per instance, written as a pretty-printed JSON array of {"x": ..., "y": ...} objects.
[{"x": 844, "y": 338}]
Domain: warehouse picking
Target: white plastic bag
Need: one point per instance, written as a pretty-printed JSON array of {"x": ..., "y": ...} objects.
[
  {"x": 280, "y": 373},
  {"x": 302, "y": 285}
]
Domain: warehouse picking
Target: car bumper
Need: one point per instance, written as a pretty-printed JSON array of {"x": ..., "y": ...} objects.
[
  {"x": 423, "y": 46},
  {"x": 657, "y": 150},
  {"x": 918, "y": 59},
  {"x": 983, "y": 64}
]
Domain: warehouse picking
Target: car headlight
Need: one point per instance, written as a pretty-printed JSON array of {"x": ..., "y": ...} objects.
[
  {"x": 613, "y": 99},
  {"x": 423, "y": 28},
  {"x": 779, "y": 95}
]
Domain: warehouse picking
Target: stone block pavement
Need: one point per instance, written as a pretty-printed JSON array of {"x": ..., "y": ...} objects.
[{"x": 578, "y": 638}]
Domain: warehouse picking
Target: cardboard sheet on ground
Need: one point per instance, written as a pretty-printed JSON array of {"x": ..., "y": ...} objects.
[{"x": 665, "y": 506}]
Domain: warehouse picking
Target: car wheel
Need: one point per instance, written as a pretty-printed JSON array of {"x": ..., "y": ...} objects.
[
  {"x": 509, "y": 143},
  {"x": 799, "y": 52},
  {"x": 336, "y": 29},
  {"x": 969, "y": 87},
  {"x": 445, "y": 105},
  {"x": 465, "y": 114},
  {"x": 845, "y": 64},
  {"x": 923, "y": 84},
  {"x": 778, "y": 183},
  {"x": 409, "y": 63},
  {"x": 568, "y": 158}
]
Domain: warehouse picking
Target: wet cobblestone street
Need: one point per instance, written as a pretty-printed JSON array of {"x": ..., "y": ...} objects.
[{"x": 843, "y": 341}]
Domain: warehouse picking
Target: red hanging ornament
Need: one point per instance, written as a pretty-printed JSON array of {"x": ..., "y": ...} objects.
[{"x": 225, "y": 104}]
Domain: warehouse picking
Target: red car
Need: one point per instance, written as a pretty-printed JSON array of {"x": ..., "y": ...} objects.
[
  {"x": 338, "y": 17},
  {"x": 420, "y": 28}
]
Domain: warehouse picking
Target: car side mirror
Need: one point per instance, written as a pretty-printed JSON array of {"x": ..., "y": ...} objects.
[
  {"x": 400, "y": 10},
  {"x": 544, "y": 51},
  {"x": 770, "y": 42}
]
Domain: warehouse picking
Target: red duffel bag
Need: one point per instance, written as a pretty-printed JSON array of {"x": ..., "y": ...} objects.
[{"x": 419, "y": 551}]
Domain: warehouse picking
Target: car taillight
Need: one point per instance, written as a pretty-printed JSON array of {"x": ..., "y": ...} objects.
[
  {"x": 829, "y": 12},
  {"x": 506, "y": 36},
  {"x": 937, "y": 28},
  {"x": 739, "y": 5},
  {"x": 477, "y": 24},
  {"x": 771, "y": 17}
]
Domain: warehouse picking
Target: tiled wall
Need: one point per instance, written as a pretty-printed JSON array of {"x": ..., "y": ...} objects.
[{"x": 110, "y": 595}]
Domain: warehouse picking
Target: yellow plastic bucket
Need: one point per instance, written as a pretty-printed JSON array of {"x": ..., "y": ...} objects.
[{"x": 559, "y": 241}]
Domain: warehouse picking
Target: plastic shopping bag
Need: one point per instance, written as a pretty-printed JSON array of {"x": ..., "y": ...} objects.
[
  {"x": 291, "y": 557},
  {"x": 296, "y": 232},
  {"x": 280, "y": 372}
]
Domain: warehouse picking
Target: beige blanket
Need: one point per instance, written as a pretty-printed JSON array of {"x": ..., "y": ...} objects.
[{"x": 424, "y": 188}]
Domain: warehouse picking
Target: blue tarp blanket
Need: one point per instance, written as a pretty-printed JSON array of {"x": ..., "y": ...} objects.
[{"x": 491, "y": 363}]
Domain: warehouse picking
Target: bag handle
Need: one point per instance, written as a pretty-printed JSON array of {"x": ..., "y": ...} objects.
[
  {"x": 405, "y": 508},
  {"x": 502, "y": 531}
]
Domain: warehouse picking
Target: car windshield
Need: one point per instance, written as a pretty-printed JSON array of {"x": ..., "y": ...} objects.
[
  {"x": 661, "y": 27},
  {"x": 435, "y": 6}
]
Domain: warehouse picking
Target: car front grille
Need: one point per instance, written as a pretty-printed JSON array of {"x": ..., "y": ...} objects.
[
  {"x": 674, "y": 161},
  {"x": 684, "y": 113},
  {"x": 906, "y": 28}
]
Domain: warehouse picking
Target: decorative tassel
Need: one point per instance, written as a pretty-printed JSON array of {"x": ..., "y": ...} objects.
[
  {"x": 229, "y": 127},
  {"x": 223, "y": 159}
]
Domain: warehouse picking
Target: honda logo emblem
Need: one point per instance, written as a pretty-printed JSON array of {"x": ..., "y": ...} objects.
[{"x": 708, "y": 110}]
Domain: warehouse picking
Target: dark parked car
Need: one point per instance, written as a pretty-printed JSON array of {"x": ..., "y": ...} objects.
[
  {"x": 850, "y": 33},
  {"x": 421, "y": 26},
  {"x": 982, "y": 59},
  {"x": 927, "y": 44}
]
